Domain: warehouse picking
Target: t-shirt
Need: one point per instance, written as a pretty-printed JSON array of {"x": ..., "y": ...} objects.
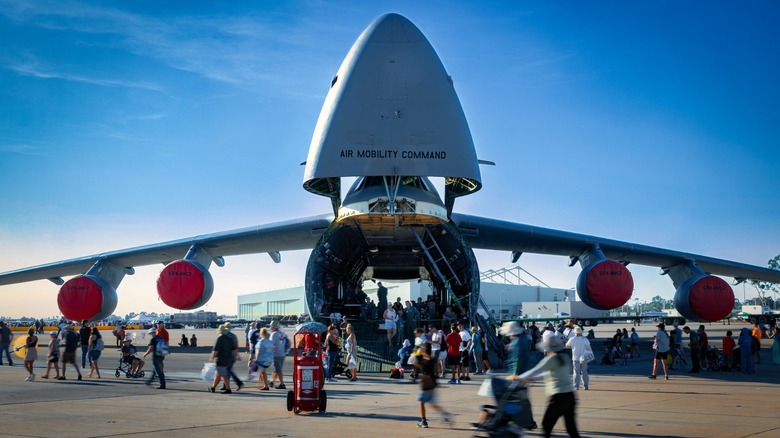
[
  {"x": 161, "y": 332},
  {"x": 728, "y": 345},
  {"x": 265, "y": 348},
  {"x": 277, "y": 339},
  {"x": 662, "y": 341},
  {"x": 476, "y": 342},
  {"x": 557, "y": 371},
  {"x": 693, "y": 340},
  {"x": 453, "y": 343},
  {"x": 465, "y": 338},
  {"x": 71, "y": 341},
  {"x": 84, "y": 334},
  {"x": 224, "y": 348},
  {"x": 5, "y": 335}
]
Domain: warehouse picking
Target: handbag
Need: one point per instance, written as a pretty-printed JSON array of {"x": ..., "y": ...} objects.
[
  {"x": 208, "y": 371},
  {"x": 587, "y": 357}
]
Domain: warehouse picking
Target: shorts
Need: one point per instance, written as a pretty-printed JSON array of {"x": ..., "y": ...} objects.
[
  {"x": 223, "y": 371},
  {"x": 54, "y": 359},
  {"x": 261, "y": 367},
  {"x": 128, "y": 359},
  {"x": 464, "y": 358},
  {"x": 426, "y": 396},
  {"x": 278, "y": 364},
  {"x": 390, "y": 325},
  {"x": 69, "y": 357},
  {"x": 485, "y": 354},
  {"x": 453, "y": 360},
  {"x": 94, "y": 354},
  {"x": 442, "y": 355},
  {"x": 661, "y": 355}
]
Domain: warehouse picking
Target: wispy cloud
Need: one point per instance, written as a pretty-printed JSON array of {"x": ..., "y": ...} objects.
[
  {"x": 30, "y": 69},
  {"x": 22, "y": 149}
]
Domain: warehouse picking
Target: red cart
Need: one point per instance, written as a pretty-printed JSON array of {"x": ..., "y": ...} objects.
[{"x": 307, "y": 393}]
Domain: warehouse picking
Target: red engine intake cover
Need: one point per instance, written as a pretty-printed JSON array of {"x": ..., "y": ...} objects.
[
  {"x": 185, "y": 285},
  {"x": 86, "y": 297},
  {"x": 708, "y": 298},
  {"x": 605, "y": 285}
]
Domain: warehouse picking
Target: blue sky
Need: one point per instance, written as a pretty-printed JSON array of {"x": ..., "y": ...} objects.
[{"x": 128, "y": 123}]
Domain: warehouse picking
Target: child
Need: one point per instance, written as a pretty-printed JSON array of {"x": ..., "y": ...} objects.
[
  {"x": 54, "y": 355},
  {"x": 427, "y": 367},
  {"x": 728, "y": 351}
]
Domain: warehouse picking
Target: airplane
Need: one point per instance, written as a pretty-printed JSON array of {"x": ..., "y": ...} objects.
[{"x": 393, "y": 121}]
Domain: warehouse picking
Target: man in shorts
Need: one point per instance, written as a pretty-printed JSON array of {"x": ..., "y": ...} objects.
[
  {"x": 69, "y": 355},
  {"x": 128, "y": 357},
  {"x": 280, "y": 352},
  {"x": 453, "y": 341},
  {"x": 465, "y": 346}
]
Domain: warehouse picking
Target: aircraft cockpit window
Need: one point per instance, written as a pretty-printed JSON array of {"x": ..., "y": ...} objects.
[{"x": 334, "y": 80}]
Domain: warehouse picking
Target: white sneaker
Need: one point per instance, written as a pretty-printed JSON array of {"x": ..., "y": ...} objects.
[
  {"x": 28, "y": 378},
  {"x": 32, "y": 377}
]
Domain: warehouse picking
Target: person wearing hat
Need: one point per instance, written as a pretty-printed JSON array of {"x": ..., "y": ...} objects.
[
  {"x": 661, "y": 347},
  {"x": 581, "y": 354},
  {"x": 557, "y": 373},
  {"x": 278, "y": 340},
  {"x": 223, "y": 351},
  {"x": 69, "y": 355},
  {"x": 518, "y": 360},
  {"x": 157, "y": 359},
  {"x": 54, "y": 355},
  {"x": 128, "y": 356}
]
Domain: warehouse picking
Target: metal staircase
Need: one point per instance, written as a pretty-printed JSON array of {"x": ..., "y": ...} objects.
[{"x": 436, "y": 256}]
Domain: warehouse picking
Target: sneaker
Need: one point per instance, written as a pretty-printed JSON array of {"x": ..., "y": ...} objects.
[
  {"x": 466, "y": 379},
  {"x": 160, "y": 387},
  {"x": 265, "y": 388},
  {"x": 478, "y": 373},
  {"x": 227, "y": 391},
  {"x": 281, "y": 386},
  {"x": 452, "y": 382},
  {"x": 458, "y": 381},
  {"x": 333, "y": 379},
  {"x": 666, "y": 377},
  {"x": 61, "y": 378},
  {"x": 32, "y": 377},
  {"x": 651, "y": 377},
  {"x": 28, "y": 379},
  {"x": 212, "y": 389},
  {"x": 422, "y": 424},
  {"x": 79, "y": 377}
]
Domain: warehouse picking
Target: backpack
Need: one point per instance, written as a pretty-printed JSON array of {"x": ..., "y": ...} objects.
[
  {"x": 286, "y": 341},
  {"x": 161, "y": 349},
  {"x": 99, "y": 344}
]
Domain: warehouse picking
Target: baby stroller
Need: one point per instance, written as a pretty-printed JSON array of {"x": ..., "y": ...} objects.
[
  {"x": 339, "y": 367},
  {"x": 713, "y": 359},
  {"x": 512, "y": 412}
]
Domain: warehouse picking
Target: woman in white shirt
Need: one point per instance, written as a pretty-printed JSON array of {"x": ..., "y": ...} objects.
[
  {"x": 581, "y": 354},
  {"x": 661, "y": 347},
  {"x": 390, "y": 317}
]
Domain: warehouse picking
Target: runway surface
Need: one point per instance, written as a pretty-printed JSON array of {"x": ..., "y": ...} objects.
[{"x": 621, "y": 402}]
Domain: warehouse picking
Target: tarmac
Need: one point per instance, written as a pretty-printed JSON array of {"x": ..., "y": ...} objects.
[{"x": 621, "y": 401}]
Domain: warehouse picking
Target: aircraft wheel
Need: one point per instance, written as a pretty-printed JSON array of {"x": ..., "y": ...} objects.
[
  {"x": 323, "y": 400},
  {"x": 290, "y": 400}
]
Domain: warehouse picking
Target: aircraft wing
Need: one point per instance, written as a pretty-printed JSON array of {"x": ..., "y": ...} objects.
[
  {"x": 279, "y": 236},
  {"x": 485, "y": 233}
]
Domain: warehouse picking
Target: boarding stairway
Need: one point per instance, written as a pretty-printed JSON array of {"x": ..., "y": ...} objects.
[{"x": 436, "y": 257}]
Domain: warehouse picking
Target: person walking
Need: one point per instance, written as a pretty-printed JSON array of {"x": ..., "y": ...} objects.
[
  {"x": 581, "y": 354},
  {"x": 31, "y": 343},
  {"x": 69, "y": 355},
  {"x": 84, "y": 334},
  {"x": 476, "y": 350},
  {"x": 557, "y": 373},
  {"x": 54, "y": 355},
  {"x": 264, "y": 351},
  {"x": 223, "y": 351},
  {"x": 6, "y": 337},
  {"x": 157, "y": 358},
  {"x": 351, "y": 346},
  {"x": 96, "y": 346},
  {"x": 427, "y": 366},
  {"x": 745, "y": 342},
  {"x": 279, "y": 341},
  {"x": 518, "y": 362},
  {"x": 661, "y": 347}
]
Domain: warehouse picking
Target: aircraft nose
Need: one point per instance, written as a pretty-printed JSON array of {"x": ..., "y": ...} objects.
[{"x": 392, "y": 29}]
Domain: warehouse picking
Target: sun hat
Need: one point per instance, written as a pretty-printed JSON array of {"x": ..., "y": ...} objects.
[
  {"x": 510, "y": 328},
  {"x": 275, "y": 323},
  {"x": 152, "y": 331},
  {"x": 578, "y": 330},
  {"x": 53, "y": 332},
  {"x": 550, "y": 342}
]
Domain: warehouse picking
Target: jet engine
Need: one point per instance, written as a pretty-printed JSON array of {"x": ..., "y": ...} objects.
[
  {"x": 700, "y": 296},
  {"x": 705, "y": 298},
  {"x": 603, "y": 284},
  {"x": 86, "y": 297},
  {"x": 185, "y": 284}
]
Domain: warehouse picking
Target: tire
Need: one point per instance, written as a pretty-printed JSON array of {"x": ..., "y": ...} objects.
[
  {"x": 116, "y": 374},
  {"x": 348, "y": 373},
  {"x": 290, "y": 400},
  {"x": 323, "y": 400},
  {"x": 128, "y": 375},
  {"x": 141, "y": 374},
  {"x": 588, "y": 323}
]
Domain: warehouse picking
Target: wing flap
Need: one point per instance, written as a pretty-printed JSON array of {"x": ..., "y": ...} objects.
[
  {"x": 279, "y": 236},
  {"x": 485, "y": 233}
]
